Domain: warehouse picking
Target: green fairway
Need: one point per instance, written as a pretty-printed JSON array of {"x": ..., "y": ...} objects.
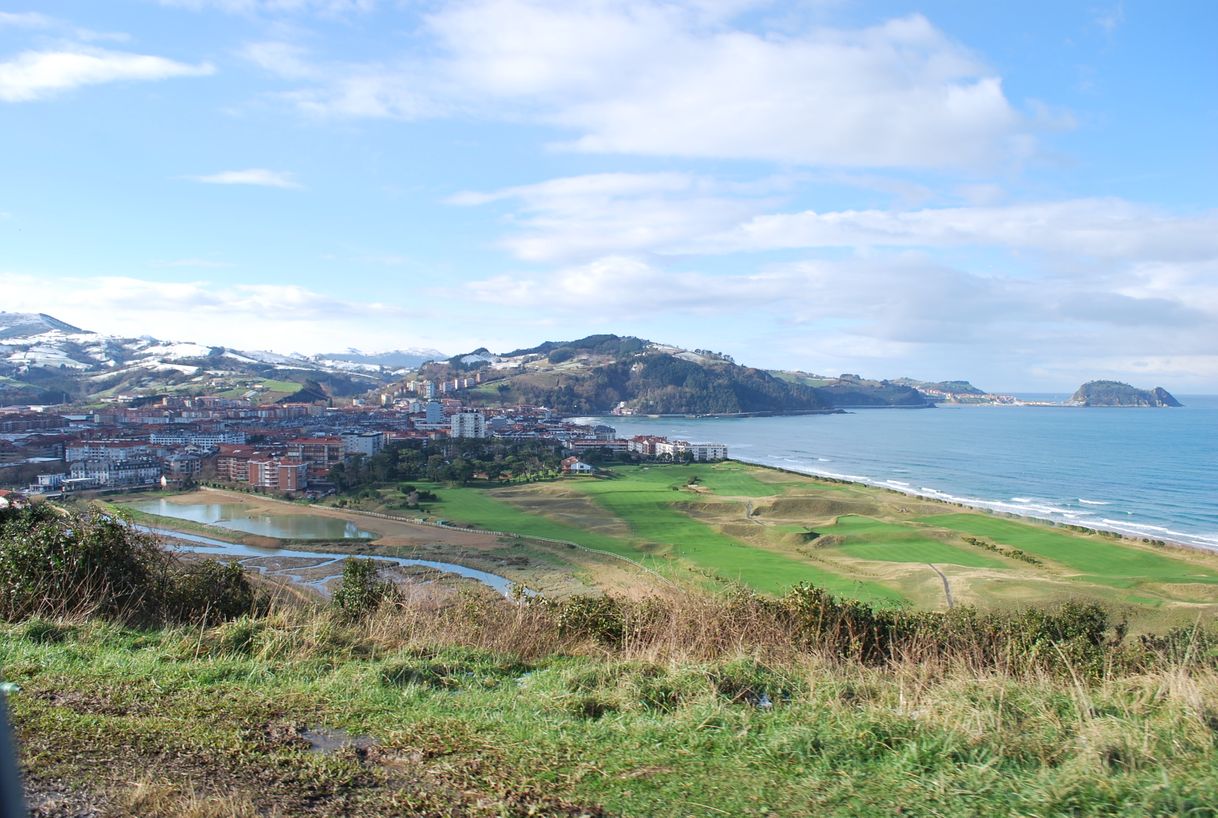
[
  {"x": 870, "y": 539},
  {"x": 732, "y": 480},
  {"x": 1098, "y": 558},
  {"x": 644, "y": 499},
  {"x": 710, "y": 525},
  {"x": 477, "y": 508},
  {"x": 661, "y": 536}
]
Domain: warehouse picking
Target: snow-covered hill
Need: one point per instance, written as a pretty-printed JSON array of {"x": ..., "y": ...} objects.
[{"x": 43, "y": 356}]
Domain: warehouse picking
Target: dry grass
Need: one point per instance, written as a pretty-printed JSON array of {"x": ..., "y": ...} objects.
[{"x": 153, "y": 797}]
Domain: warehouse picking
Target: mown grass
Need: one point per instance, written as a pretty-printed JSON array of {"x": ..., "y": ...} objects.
[
  {"x": 430, "y": 726},
  {"x": 1106, "y": 560},
  {"x": 711, "y": 524},
  {"x": 870, "y": 539},
  {"x": 645, "y": 500}
]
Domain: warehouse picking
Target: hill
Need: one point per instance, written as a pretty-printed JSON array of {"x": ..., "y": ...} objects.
[
  {"x": 1115, "y": 393},
  {"x": 603, "y": 373},
  {"x": 45, "y": 360}
]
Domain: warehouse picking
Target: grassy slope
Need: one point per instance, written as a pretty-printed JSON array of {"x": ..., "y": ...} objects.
[
  {"x": 645, "y": 498},
  {"x": 1098, "y": 559},
  {"x": 871, "y": 539},
  {"x": 464, "y": 731}
]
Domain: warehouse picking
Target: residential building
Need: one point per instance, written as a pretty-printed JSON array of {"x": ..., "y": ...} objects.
[
  {"x": 365, "y": 443},
  {"x": 698, "y": 452},
  {"x": 468, "y": 424},
  {"x": 278, "y": 474},
  {"x": 320, "y": 453},
  {"x": 573, "y": 465},
  {"x": 109, "y": 450},
  {"x": 604, "y": 445},
  {"x": 105, "y": 474}
]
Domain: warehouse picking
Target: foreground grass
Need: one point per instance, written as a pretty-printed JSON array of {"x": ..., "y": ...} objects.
[{"x": 298, "y": 713}]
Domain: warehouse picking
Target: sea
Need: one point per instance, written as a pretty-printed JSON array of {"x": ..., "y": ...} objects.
[{"x": 1146, "y": 473}]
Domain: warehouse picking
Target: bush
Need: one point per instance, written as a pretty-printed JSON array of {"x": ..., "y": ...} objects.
[
  {"x": 600, "y": 618},
  {"x": 67, "y": 563},
  {"x": 56, "y": 563},
  {"x": 208, "y": 592},
  {"x": 361, "y": 591}
]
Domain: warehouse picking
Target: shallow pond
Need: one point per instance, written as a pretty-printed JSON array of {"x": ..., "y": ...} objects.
[{"x": 250, "y": 520}]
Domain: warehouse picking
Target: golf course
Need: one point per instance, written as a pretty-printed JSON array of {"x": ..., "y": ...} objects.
[{"x": 726, "y": 524}]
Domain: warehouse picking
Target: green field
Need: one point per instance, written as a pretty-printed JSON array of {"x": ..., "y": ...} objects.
[
  {"x": 1097, "y": 558},
  {"x": 718, "y": 524},
  {"x": 870, "y": 539}
]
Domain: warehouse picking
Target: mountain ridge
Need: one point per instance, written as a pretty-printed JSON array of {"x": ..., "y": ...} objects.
[{"x": 630, "y": 375}]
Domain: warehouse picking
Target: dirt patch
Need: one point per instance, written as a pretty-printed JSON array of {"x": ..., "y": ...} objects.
[
  {"x": 565, "y": 506},
  {"x": 816, "y": 508},
  {"x": 52, "y": 798}
]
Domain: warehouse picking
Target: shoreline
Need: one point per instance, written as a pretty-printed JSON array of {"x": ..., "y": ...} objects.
[{"x": 987, "y": 506}]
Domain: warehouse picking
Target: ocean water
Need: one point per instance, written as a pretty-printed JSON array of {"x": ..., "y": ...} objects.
[{"x": 1142, "y": 472}]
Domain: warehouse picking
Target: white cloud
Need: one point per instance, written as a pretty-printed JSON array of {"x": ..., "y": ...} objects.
[
  {"x": 284, "y": 318},
  {"x": 1111, "y": 18},
  {"x": 677, "y": 79},
  {"x": 1112, "y": 229},
  {"x": 26, "y": 19},
  {"x": 587, "y": 216},
  {"x": 582, "y": 217},
  {"x": 200, "y": 263},
  {"x": 286, "y": 60},
  {"x": 258, "y": 177},
  {"x": 34, "y": 75},
  {"x": 895, "y": 302}
]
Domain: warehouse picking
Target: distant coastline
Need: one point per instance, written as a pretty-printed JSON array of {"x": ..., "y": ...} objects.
[
  {"x": 981, "y": 505},
  {"x": 1101, "y": 472}
]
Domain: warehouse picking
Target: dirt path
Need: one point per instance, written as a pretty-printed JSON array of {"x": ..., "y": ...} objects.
[{"x": 947, "y": 588}]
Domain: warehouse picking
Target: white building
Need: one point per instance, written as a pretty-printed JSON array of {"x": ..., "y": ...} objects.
[
  {"x": 103, "y": 473},
  {"x": 112, "y": 451},
  {"x": 699, "y": 452},
  {"x": 365, "y": 443},
  {"x": 468, "y": 424},
  {"x": 200, "y": 440}
]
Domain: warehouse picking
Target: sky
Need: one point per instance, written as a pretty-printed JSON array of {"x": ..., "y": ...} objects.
[{"x": 1021, "y": 194}]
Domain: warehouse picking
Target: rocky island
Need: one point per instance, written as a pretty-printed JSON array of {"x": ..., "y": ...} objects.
[{"x": 1115, "y": 393}]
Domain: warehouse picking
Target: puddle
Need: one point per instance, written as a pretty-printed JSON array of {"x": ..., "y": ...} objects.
[{"x": 327, "y": 741}]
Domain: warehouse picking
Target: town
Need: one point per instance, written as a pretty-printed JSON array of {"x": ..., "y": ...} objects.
[{"x": 280, "y": 448}]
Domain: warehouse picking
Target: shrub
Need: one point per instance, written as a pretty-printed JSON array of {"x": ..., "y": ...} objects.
[
  {"x": 56, "y": 562},
  {"x": 208, "y": 592},
  {"x": 65, "y": 563},
  {"x": 361, "y": 591},
  {"x": 600, "y": 618}
]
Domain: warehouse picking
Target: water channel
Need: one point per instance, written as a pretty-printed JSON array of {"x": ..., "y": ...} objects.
[{"x": 332, "y": 562}]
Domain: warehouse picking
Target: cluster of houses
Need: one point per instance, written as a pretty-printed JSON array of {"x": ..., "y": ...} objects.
[{"x": 286, "y": 448}]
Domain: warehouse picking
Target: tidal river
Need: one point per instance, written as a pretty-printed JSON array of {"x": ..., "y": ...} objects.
[{"x": 196, "y": 544}]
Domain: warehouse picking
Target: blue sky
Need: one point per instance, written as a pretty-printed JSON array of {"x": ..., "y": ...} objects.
[{"x": 1019, "y": 195}]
